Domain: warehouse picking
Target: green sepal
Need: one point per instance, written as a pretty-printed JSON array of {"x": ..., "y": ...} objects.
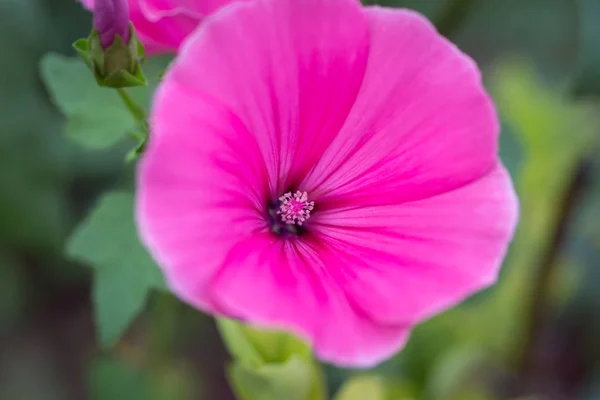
[
  {"x": 119, "y": 66},
  {"x": 82, "y": 46},
  {"x": 123, "y": 79}
]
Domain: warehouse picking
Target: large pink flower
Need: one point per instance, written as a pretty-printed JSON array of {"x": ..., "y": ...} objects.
[
  {"x": 367, "y": 112},
  {"x": 162, "y": 25}
]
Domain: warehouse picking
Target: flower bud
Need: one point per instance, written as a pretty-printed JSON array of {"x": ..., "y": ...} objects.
[
  {"x": 111, "y": 18},
  {"x": 113, "y": 51}
]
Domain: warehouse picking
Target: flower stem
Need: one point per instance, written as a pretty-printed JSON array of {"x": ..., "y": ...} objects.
[{"x": 136, "y": 111}]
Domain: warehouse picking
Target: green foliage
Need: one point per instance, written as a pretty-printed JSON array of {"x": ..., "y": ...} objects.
[
  {"x": 34, "y": 163},
  {"x": 457, "y": 372},
  {"x": 294, "y": 379},
  {"x": 96, "y": 116},
  {"x": 110, "y": 379},
  {"x": 120, "y": 65},
  {"x": 270, "y": 365},
  {"x": 123, "y": 271},
  {"x": 554, "y": 133},
  {"x": 373, "y": 387},
  {"x": 252, "y": 346},
  {"x": 363, "y": 388}
]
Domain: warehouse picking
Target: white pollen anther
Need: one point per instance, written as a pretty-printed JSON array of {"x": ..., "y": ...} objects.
[{"x": 295, "y": 208}]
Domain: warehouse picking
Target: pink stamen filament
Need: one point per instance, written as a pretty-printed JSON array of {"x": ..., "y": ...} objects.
[{"x": 295, "y": 208}]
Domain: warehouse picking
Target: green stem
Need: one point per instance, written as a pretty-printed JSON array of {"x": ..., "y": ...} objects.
[{"x": 136, "y": 111}]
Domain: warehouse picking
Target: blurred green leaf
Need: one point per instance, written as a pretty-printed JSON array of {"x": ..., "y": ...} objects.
[
  {"x": 175, "y": 382},
  {"x": 511, "y": 150},
  {"x": 295, "y": 379},
  {"x": 124, "y": 271},
  {"x": 363, "y": 388},
  {"x": 253, "y": 347},
  {"x": 96, "y": 116},
  {"x": 555, "y": 134},
  {"x": 587, "y": 77},
  {"x": 111, "y": 379},
  {"x": 33, "y": 160},
  {"x": 373, "y": 387},
  {"x": 456, "y": 372}
]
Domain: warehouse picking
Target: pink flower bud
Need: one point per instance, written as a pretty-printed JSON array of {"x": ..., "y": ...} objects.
[{"x": 111, "y": 18}]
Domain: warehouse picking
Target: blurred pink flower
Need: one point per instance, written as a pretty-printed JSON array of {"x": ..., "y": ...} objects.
[
  {"x": 162, "y": 25},
  {"x": 328, "y": 169}
]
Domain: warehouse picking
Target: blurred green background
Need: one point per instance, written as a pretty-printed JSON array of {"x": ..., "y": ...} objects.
[{"x": 535, "y": 335}]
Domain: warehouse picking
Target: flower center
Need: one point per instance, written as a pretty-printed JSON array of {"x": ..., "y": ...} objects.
[
  {"x": 295, "y": 208},
  {"x": 289, "y": 213}
]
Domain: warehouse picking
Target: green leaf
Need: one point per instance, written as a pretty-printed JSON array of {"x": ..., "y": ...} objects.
[
  {"x": 373, "y": 387},
  {"x": 97, "y": 117},
  {"x": 363, "y": 388},
  {"x": 511, "y": 150},
  {"x": 124, "y": 271},
  {"x": 456, "y": 371},
  {"x": 295, "y": 379},
  {"x": 111, "y": 378},
  {"x": 82, "y": 47}
]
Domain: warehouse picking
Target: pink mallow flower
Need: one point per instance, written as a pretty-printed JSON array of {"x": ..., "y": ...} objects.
[
  {"x": 162, "y": 25},
  {"x": 325, "y": 168}
]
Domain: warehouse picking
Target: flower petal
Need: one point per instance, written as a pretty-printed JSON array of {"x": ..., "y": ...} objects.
[
  {"x": 193, "y": 201},
  {"x": 285, "y": 285},
  {"x": 160, "y": 34},
  {"x": 422, "y": 123},
  {"x": 89, "y": 4},
  {"x": 165, "y": 34},
  {"x": 401, "y": 264},
  {"x": 290, "y": 70},
  {"x": 155, "y": 10}
]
